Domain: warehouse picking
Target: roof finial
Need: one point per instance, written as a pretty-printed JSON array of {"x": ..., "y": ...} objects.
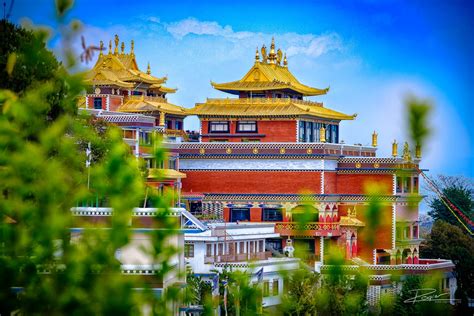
[
  {"x": 132, "y": 46},
  {"x": 101, "y": 47},
  {"x": 116, "y": 44},
  {"x": 394, "y": 149},
  {"x": 148, "y": 69},
  {"x": 272, "y": 55},
  {"x": 110, "y": 47},
  {"x": 374, "y": 139},
  {"x": 122, "y": 48},
  {"x": 279, "y": 56},
  {"x": 257, "y": 55},
  {"x": 285, "y": 61},
  {"x": 264, "y": 53}
]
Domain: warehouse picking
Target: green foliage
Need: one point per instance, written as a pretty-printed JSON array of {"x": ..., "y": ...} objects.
[
  {"x": 42, "y": 166},
  {"x": 243, "y": 298},
  {"x": 460, "y": 192},
  {"x": 418, "y": 112},
  {"x": 451, "y": 242},
  {"x": 33, "y": 62},
  {"x": 300, "y": 298}
]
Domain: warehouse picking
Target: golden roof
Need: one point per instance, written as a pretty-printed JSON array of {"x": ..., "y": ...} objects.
[
  {"x": 141, "y": 103},
  {"x": 269, "y": 74},
  {"x": 350, "y": 221},
  {"x": 121, "y": 69},
  {"x": 261, "y": 107}
]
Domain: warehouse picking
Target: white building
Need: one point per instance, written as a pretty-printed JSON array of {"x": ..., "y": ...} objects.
[{"x": 238, "y": 246}]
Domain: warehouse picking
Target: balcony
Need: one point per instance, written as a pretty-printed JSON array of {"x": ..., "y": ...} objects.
[
  {"x": 309, "y": 229},
  {"x": 242, "y": 257}
]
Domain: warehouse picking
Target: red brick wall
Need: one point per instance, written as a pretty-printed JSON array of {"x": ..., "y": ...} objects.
[
  {"x": 291, "y": 182},
  {"x": 274, "y": 131},
  {"x": 356, "y": 183},
  {"x": 382, "y": 238},
  {"x": 330, "y": 182},
  {"x": 115, "y": 102},
  {"x": 255, "y": 214}
]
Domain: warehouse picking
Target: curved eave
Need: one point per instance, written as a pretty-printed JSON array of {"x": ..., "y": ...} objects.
[
  {"x": 293, "y": 110},
  {"x": 233, "y": 88},
  {"x": 117, "y": 83},
  {"x": 133, "y": 106},
  {"x": 163, "y": 89}
]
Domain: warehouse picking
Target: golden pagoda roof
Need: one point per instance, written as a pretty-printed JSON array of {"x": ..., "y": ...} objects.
[
  {"x": 350, "y": 221},
  {"x": 121, "y": 69},
  {"x": 269, "y": 74},
  {"x": 264, "y": 107},
  {"x": 141, "y": 103}
]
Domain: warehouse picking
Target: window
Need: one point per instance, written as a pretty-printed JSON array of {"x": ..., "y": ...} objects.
[
  {"x": 246, "y": 127},
  {"x": 275, "y": 287},
  {"x": 219, "y": 127},
  {"x": 415, "y": 184},
  {"x": 250, "y": 140},
  {"x": 316, "y": 127},
  {"x": 178, "y": 125},
  {"x": 273, "y": 245},
  {"x": 266, "y": 288},
  {"x": 399, "y": 185},
  {"x": 272, "y": 215},
  {"x": 208, "y": 250},
  {"x": 240, "y": 214},
  {"x": 195, "y": 207},
  {"x": 172, "y": 164},
  {"x": 189, "y": 250},
  {"x": 309, "y": 132},
  {"x": 213, "y": 140},
  {"x": 302, "y": 131},
  {"x": 130, "y": 134},
  {"x": 169, "y": 124},
  {"x": 415, "y": 232},
  {"x": 98, "y": 103},
  {"x": 145, "y": 138}
]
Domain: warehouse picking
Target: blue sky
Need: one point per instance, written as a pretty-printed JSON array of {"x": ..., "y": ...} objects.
[{"x": 371, "y": 53}]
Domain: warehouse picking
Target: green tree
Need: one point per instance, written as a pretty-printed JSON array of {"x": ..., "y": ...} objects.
[
  {"x": 43, "y": 270},
  {"x": 460, "y": 192},
  {"x": 302, "y": 287},
  {"x": 451, "y": 242}
]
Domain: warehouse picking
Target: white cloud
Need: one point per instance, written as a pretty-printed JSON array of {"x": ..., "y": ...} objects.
[
  {"x": 297, "y": 44},
  {"x": 317, "y": 45},
  {"x": 187, "y": 26}
]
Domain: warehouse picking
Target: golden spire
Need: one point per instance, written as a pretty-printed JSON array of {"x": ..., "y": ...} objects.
[
  {"x": 279, "y": 56},
  {"x": 285, "y": 61},
  {"x": 148, "y": 69},
  {"x": 374, "y": 139},
  {"x": 257, "y": 55},
  {"x": 394, "y": 148},
  {"x": 116, "y": 44},
  {"x": 264, "y": 53},
  {"x": 101, "y": 47},
  {"x": 418, "y": 151},
  {"x": 122, "y": 48},
  {"x": 110, "y": 47},
  {"x": 132, "y": 46},
  {"x": 272, "y": 55},
  {"x": 406, "y": 152},
  {"x": 322, "y": 135},
  {"x": 162, "y": 119}
]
